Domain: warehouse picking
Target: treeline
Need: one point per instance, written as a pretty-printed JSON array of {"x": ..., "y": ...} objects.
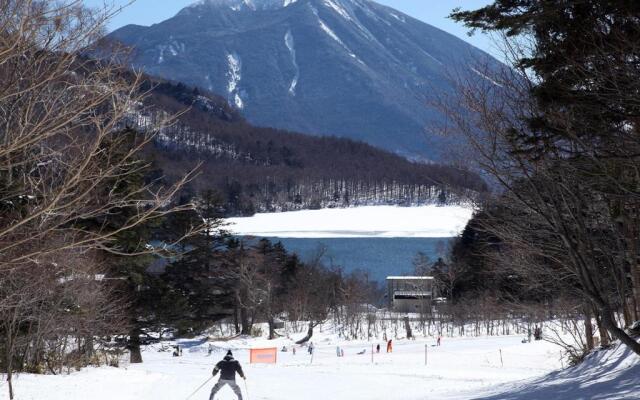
[
  {"x": 558, "y": 134},
  {"x": 262, "y": 169}
]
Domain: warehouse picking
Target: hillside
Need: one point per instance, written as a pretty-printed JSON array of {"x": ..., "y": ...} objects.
[
  {"x": 264, "y": 169},
  {"x": 351, "y": 68}
]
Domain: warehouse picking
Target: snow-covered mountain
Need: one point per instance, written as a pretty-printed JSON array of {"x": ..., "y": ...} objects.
[{"x": 350, "y": 68}]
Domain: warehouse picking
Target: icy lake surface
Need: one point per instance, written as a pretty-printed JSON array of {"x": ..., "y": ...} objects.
[
  {"x": 371, "y": 221},
  {"x": 381, "y": 240}
]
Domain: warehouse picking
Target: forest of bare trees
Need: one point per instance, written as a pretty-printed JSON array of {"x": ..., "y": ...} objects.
[
  {"x": 265, "y": 170},
  {"x": 64, "y": 172}
]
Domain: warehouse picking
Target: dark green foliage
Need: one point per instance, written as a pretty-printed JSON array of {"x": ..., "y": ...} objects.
[
  {"x": 196, "y": 276},
  {"x": 585, "y": 63}
]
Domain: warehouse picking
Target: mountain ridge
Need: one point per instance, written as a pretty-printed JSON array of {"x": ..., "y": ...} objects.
[{"x": 351, "y": 68}]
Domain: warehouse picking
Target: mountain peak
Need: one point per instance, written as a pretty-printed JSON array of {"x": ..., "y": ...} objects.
[
  {"x": 242, "y": 5},
  {"x": 351, "y": 68}
]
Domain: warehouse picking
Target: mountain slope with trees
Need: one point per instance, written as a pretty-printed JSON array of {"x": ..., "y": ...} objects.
[{"x": 264, "y": 169}]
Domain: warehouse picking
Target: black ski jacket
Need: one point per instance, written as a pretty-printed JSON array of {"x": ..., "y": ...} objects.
[{"x": 228, "y": 368}]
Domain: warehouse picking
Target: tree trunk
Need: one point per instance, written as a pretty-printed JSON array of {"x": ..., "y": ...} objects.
[
  {"x": 244, "y": 321},
  {"x": 635, "y": 283},
  {"x": 309, "y": 334},
  {"x": 610, "y": 325},
  {"x": 407, "y": 327},
  {"x": 10, "y": 383},
  {"x": 588, "y": 329},
  {"x": 236, "y": 323},
  {"x": 272, "y": 329},
  {"x": 135, "y": 355}
]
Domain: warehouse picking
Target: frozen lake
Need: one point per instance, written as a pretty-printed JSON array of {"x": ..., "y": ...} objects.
[
  {"x": 378, "y": 256},
  {"x": 382, "y": 240},
  {"x": 372, "y": 221}
]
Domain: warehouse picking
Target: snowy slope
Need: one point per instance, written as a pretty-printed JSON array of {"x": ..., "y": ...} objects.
[
  {"x": 459, "y": 367},
  {"x": 371, "y": 221},
  {"x": 486, "y": 368},
  {"x": 606, "y": 374}
]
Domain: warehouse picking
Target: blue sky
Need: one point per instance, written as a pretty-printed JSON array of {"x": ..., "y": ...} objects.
[{"x": 433, "y": 12}]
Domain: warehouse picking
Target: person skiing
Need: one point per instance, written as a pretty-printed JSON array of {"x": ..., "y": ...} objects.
[
  {"x": 389, "y": 346},
  {"x": 439, "y": 339},
  {"x": 227, "y": 368},
  {"x": 378, "y": 348},
  {"x": 310, "y": 348}
]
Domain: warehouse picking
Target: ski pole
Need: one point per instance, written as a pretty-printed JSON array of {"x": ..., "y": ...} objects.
[
  {"x": 199, "y": 387},
  {"x": 246, "y": 388}
]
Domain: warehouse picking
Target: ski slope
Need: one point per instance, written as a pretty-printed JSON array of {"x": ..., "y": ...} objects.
[
  {"x": 461, "y": 368},
  {"x": 370, "y": 221}
]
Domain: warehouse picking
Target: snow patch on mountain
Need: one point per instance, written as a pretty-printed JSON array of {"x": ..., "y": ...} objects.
[
  {"x": 160, "y": 54},
  {"x": 329, "y": 32},
  {"x": 484, "y": 76},
  {"x": 242, "y": 5},
  {"x": 288, "y": 41},
  {"x": 337, "y": 8},
  {"x": 399, "y": 18},
  {"x": 335, "y": 37},
  {"x": 235, "y": 75}
]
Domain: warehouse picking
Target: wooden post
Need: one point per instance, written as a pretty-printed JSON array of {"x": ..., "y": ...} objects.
[
  {"x": 425, "y": 354},
  {"x": 372, "y": 353},
  {"x": 501, "y": 362}
]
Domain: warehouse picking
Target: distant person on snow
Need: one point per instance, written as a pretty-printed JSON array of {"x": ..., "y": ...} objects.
[
  {"x": 310, "y": 348},
  {"x": 439, "y": 339},
  {"x": 389, "y": 346},
  {"x": 378, "y": 348},
  {"x": 227, "y": 368}
]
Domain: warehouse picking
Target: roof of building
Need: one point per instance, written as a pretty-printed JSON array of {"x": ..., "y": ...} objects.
[
  {"x": 411, "y": 292},
  {"x": 409, "y": 277}
]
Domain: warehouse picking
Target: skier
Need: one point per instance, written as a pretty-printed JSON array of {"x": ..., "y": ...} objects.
[
  {"x": 338, "y": 351},
  {"x": 389, "y": 346},
  {"x": 439, "y": 338},
  {"x": 378, "y": 348},
  {"x": 310, "y": 348},
  {"x": 227, "y": 368}
]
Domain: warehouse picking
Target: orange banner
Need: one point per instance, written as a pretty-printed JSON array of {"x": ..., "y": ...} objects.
[{"x": 263, "y": 356}]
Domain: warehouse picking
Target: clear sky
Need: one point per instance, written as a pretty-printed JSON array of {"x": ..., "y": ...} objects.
[{"x": 433, "y": 12}]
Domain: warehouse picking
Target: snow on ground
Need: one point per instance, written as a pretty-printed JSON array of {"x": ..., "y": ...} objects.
[
  {"x": 483, "y": 368},
  {"x": 369, "y": 221},
  {"x": 604, "y": 375},
  {"x": 461, "y": 368}
]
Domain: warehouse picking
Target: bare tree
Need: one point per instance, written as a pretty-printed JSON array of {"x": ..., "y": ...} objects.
[
  {"x": 553, "y": 212},
  {"x": 62, "y": 163}
]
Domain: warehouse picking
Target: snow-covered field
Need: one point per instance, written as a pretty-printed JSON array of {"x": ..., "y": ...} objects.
[
  {"x": 369, "y": 221},
  {"x": 461, "y": 368}
]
